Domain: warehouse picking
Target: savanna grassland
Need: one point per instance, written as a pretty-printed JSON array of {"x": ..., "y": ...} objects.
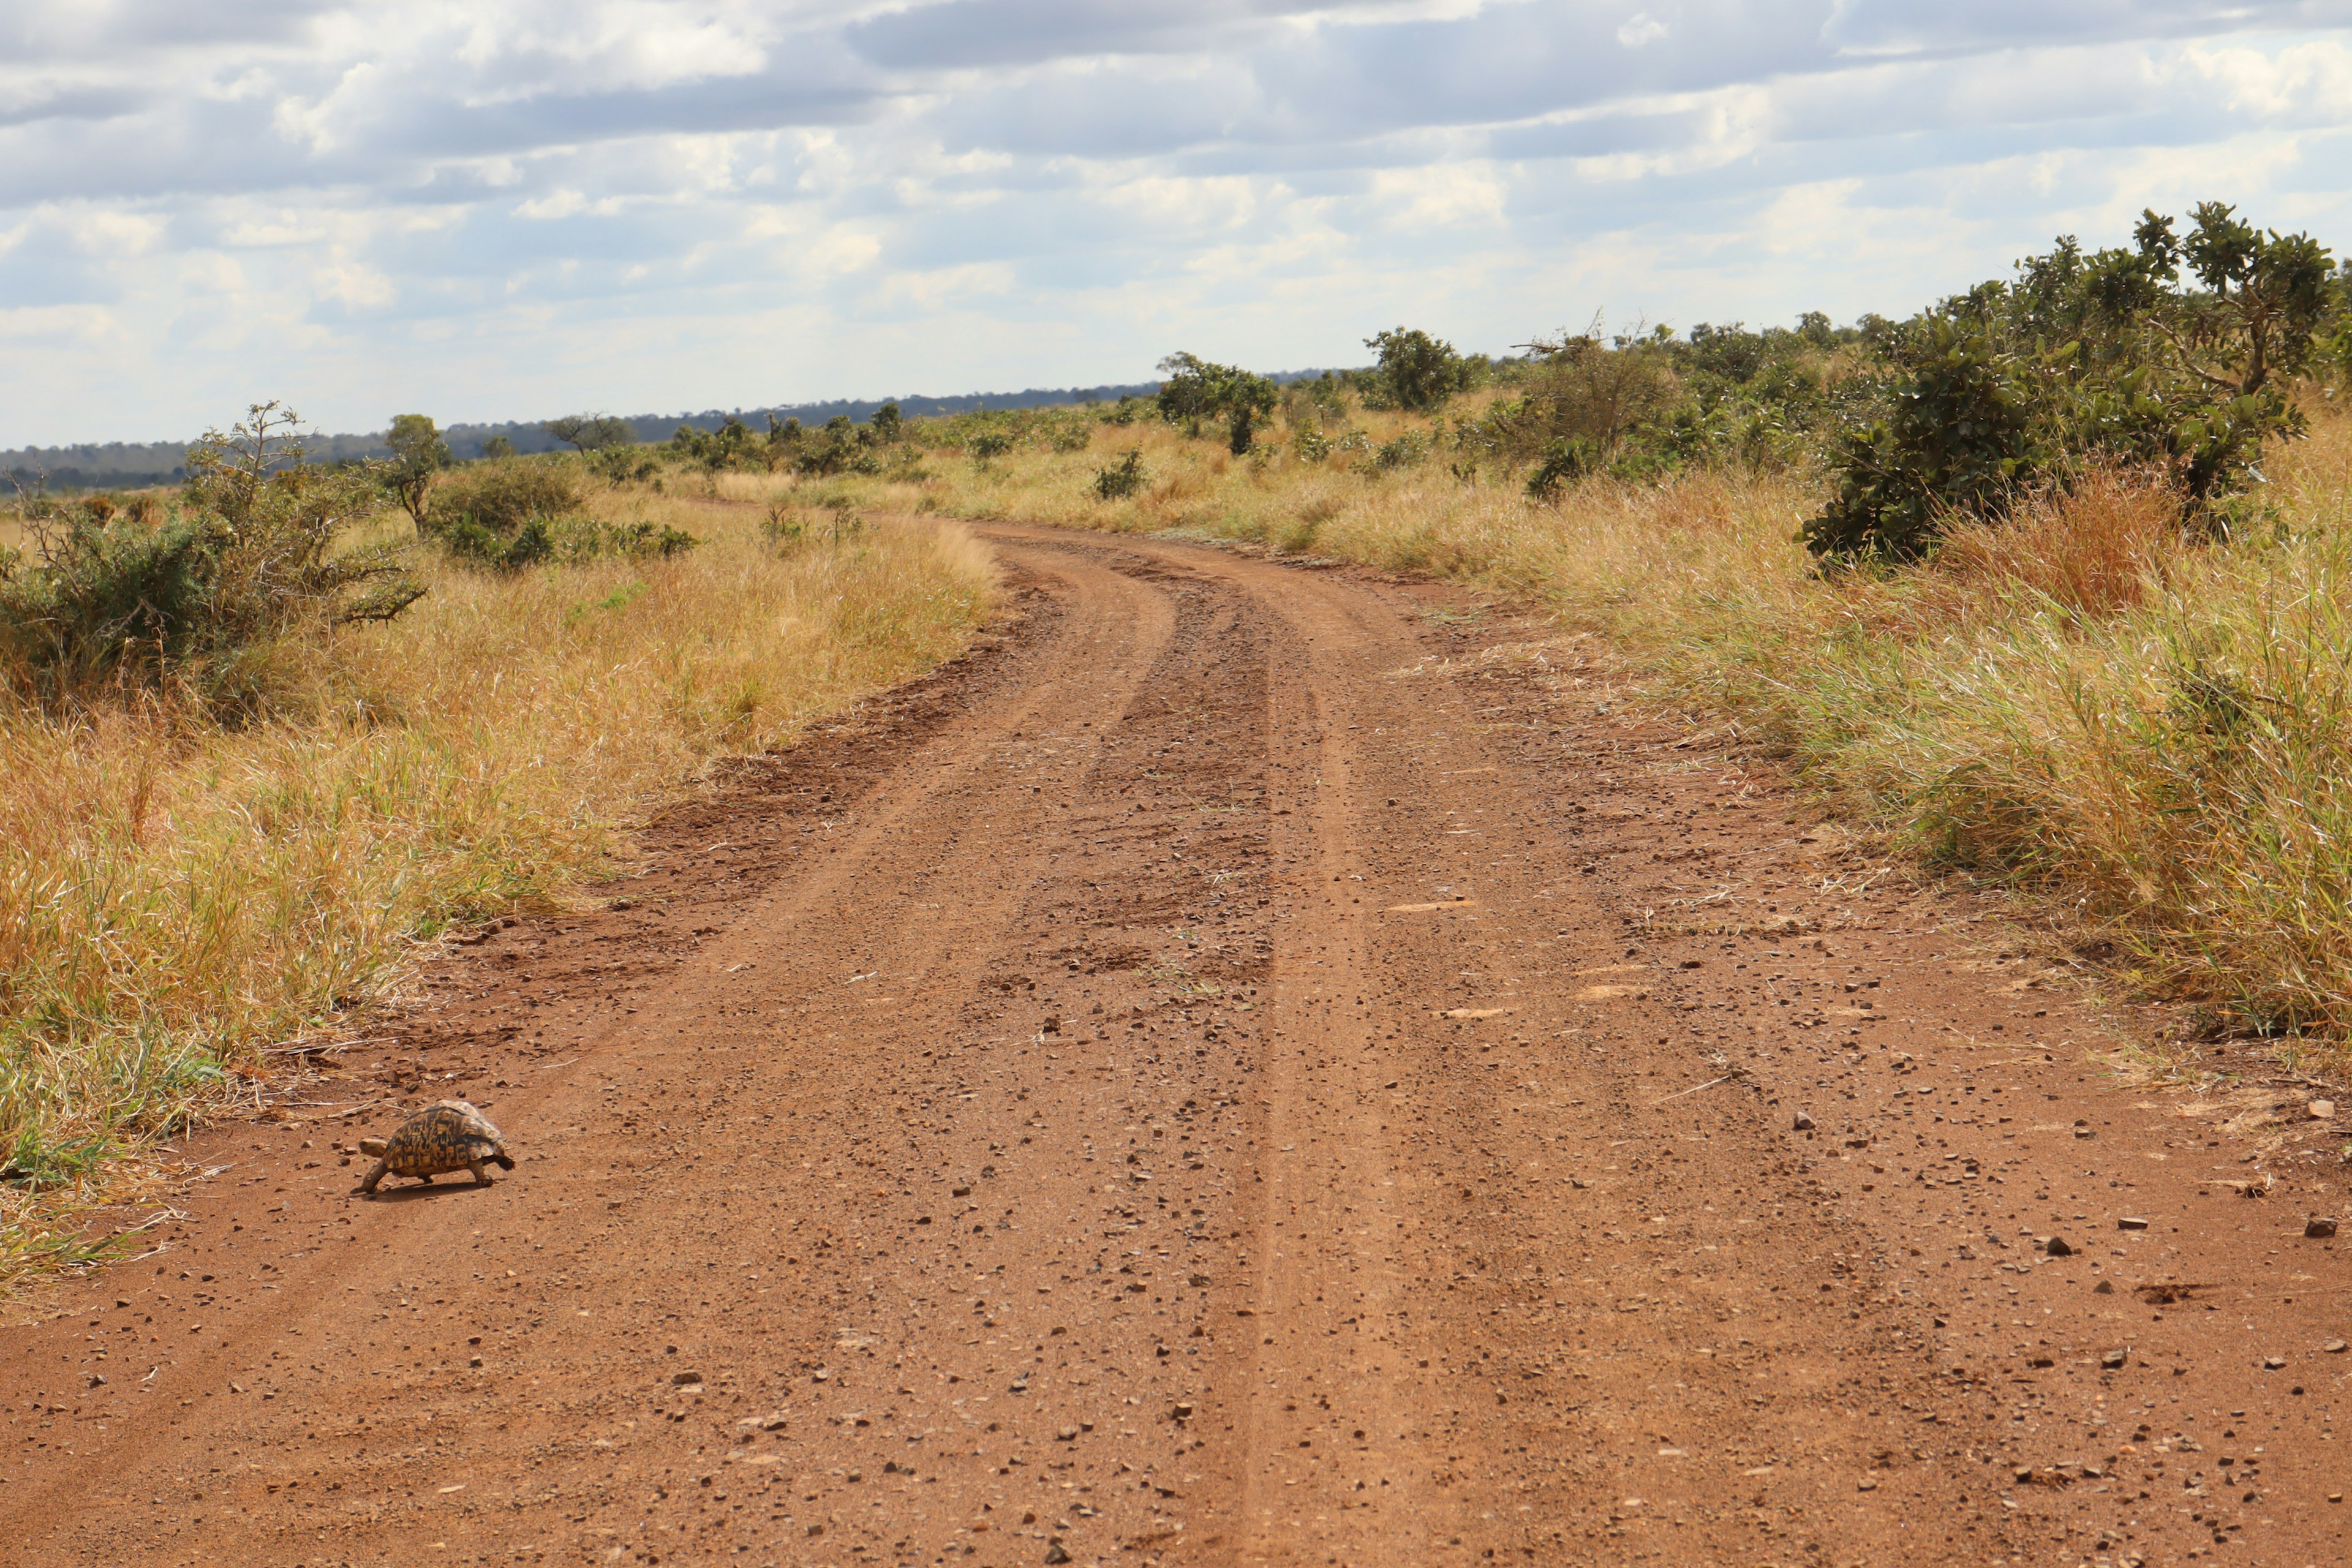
[
  {"x": 2045, "y": 585},
  {"x": 188, "y": 888}
]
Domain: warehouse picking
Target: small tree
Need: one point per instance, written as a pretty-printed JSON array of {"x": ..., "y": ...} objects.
[
  {"x": 1418, "y": 372},
  {"x": 418, "y": 453},
  {"x": 2266, "y": 295},
  {"x": 498, "y": 447},
  {"x": 592, "y": 432},
  {"x": 887, "y": 424},
  {"x": 1197, "y": 389}
]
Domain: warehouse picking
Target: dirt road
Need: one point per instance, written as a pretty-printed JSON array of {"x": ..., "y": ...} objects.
[{"x": 1255, "y": 1066}]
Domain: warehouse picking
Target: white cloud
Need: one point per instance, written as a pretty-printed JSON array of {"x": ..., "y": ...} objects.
[
  {"x": 501, "y": 208},
  {"x": 1641, "y": 28}
]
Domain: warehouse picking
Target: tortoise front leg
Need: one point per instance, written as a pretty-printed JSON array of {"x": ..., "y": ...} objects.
[
  {"x": 481, "y": 1176},
  {"x": 372, "y": 1178}
]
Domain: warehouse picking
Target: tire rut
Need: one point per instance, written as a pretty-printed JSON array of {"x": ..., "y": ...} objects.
[{"x": 1180, "y": 1087}]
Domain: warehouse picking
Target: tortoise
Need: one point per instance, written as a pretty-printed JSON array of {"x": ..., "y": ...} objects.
[{"x": 448, "y": 1135}]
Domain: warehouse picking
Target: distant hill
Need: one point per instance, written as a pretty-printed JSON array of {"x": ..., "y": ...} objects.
[{"x": 122, "y": 465}]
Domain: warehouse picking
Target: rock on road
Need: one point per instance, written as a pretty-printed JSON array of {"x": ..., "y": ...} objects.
[{"x": 1259, "y": 1066}]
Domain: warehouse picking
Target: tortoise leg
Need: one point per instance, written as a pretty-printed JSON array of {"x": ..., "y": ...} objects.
[
  {"x": 481, "y": 1177},
  {"x": 372, "y": 1178},
  {"x": 426, "y": 1178}
]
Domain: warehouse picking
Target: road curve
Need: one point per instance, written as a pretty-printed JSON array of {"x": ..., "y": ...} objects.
[{"x": 1204, "y": 1094}]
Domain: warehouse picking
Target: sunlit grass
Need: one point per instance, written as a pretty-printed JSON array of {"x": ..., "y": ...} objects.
[{"x": 178, "y": 899}]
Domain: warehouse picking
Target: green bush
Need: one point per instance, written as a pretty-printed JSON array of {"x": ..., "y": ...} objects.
[
  {"x": 1197, "y": 390},
  {"x": 619, "y": 466},
  {"x": 1122, "y": 479},
  {"x": 2101, "y": 360},
  {"x": 988, "y": 445},
  {"x": 1408, "y": 451},
  {"x": 1417, "y": 372},
  {"x": 505, "y": 514},
  {"x": 198, "y": 595},
  {"x": 1567, "y": 461}
]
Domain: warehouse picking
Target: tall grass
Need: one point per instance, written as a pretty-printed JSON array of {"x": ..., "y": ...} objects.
[
  {"x": 178, "y": 899},
  {"x": 2151, "y": 732}
]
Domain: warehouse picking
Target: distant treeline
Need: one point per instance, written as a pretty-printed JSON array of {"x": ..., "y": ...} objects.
[{"x": 116, "y": 464}]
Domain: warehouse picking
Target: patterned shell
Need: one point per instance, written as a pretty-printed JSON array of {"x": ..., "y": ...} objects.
[{"x": 448, "y": 1135}]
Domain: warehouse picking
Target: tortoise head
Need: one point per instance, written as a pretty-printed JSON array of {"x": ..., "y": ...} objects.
[{"x": 373, "y": 1147}]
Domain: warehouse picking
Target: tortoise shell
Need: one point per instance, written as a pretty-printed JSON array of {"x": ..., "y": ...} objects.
[{"x": 448, "y": 1135}]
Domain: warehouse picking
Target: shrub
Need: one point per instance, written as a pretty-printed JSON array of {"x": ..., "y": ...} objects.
[
  {"x": 502, "y": 496},
  {"x": 644, "y": 540},
  {"x": 840, "y": 447},
  {"x": 1075, "y": 436},
  {"x": 503, "y": 515},
  {"x": 1567, "y": 461},
  {"x": 1122, "y": 479},
  {"x": 2082, "y": 361},
  {"x": 1197, "y": 390},
  {"x": 1584, "y": 392},
  {"x": 988, "y": 445},
  {"x": 728, "y": 447},
  {"x": 1418, "y": 372},
  {"x": 198, "y": 594},
  {"x": 621, "y": 465},
  {"x": 1408, "y": 451}
]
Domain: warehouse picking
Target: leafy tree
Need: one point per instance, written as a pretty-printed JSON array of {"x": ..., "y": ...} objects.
[
  {"x": 498, "y": 447},
  {"x": 1418, "y": 372},
  {"x": 418, "y": 453},
  {"x": 888, "y": 428},
  {"x": 2266, "y": 295},
  {"x": 2107, "y": 356},
  {"x": 592, "y": 432},
  {"x": 1197, "y": 389}
]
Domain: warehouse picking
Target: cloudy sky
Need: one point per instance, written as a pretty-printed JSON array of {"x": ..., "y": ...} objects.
[{"x": 512, "y": 208}]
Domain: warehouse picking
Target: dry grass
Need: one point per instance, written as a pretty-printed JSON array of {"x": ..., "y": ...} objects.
[
  {"x": 177, "y": 900},
  {"x": 2151, "y": 734}
]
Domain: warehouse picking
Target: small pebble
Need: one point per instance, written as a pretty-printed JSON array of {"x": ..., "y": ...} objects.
[
  {"x": 2322, "y": 1110},
  {"x": 2319, "y": 1228},
  {"x": 2274, "y": 1363},
  {"x": 2131, "y": 1223},
  {"x": 2056, "y": 1248},
  {"x": 2334, "y": 1347},
  {"x": 1804, "y": 1123}
]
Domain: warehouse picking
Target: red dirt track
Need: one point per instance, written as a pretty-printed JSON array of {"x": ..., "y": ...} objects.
[{"x": 1250, "y": 1066}]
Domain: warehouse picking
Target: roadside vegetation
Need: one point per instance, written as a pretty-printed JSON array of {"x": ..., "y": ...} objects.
[
  {"x": 2048, "y": 584},
  {"x": 261, "y": 740}
]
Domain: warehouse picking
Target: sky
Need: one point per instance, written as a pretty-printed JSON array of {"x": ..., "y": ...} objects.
[{"x": 509, "y": 209}]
